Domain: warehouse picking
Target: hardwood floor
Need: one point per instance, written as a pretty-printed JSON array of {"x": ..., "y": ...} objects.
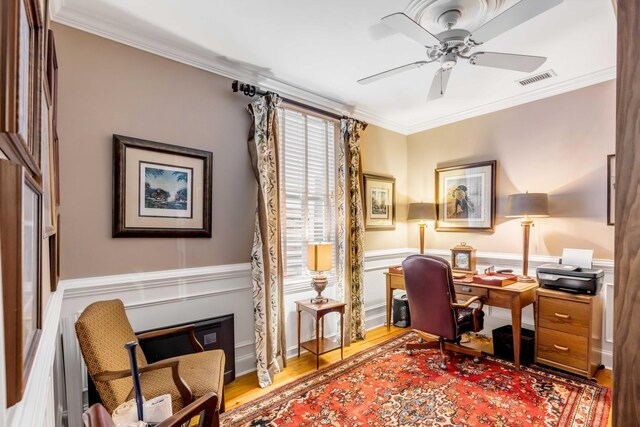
[{"x": 245, "y": 388}]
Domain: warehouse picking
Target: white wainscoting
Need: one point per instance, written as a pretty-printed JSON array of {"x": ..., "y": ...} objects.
[
  {"x": 157, "y": 299},
  {"x": 37, "y": 407}
]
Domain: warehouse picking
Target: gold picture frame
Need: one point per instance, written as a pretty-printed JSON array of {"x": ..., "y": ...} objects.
[{"x": 379, "y": 202}]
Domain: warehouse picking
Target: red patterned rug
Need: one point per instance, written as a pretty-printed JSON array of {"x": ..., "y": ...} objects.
[{"x": 383, "y": 386}]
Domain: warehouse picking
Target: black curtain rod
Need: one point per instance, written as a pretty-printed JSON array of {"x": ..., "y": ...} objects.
[{"x": 251, "y": 90}]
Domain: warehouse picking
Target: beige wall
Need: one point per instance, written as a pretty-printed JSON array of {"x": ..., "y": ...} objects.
[
  {"x": 557, "y": 146},
  {"x": 106, "y": 88},
  {"x": 385, "y": 153}
]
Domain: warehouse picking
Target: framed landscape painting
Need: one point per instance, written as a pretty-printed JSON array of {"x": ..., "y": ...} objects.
[
  {"x": 160, "y": 190},
  {"x": 379, "y": 202},
  {"x": 465, "y": 197}
]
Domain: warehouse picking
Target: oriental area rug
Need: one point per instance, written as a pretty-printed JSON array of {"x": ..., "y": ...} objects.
[{"x": 384, "y": 386}]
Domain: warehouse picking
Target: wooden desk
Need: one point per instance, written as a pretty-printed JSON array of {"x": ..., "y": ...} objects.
[
  {"x": 321, "y": 345},
  {"x": 514, "y": 297}
]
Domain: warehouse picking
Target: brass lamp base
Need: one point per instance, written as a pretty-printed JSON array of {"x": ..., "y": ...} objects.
[
  {"x": 526, "y": 279},
  {"x": 319, "y": 283}
]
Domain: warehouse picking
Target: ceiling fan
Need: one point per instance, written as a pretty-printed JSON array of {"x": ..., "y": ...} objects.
[{"x": 451, "y": 44}]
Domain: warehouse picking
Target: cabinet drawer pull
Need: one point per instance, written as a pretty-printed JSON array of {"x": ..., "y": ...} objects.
[
  {"x": 562, "y": 316},
  {"x": 466, "y": 289},
  {"x": 559, "y": 347}
]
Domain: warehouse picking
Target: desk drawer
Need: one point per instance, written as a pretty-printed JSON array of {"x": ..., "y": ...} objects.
[
  {"x": 564, "y": 348},
  {"x": 470, "y": 291},
  {"x": 562, "y": 315}
]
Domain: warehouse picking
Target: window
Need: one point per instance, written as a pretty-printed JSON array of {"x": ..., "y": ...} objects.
[{"x": 307, "y": 188}]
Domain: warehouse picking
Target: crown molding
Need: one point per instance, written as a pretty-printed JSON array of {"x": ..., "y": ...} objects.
[
  {"x": 535, "y": 95},
  {"x": 66, "y": 14}
]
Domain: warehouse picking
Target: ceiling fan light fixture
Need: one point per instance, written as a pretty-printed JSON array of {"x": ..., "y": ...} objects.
[{"x": 448, "y": 60}]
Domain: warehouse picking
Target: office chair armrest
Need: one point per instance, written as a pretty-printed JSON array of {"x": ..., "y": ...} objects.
[
  {"x": 183, "y": 388},
  {"x": 207, "y": 403},
  {"x": 468, "y": 302},
  {"x": 191, "y": 329}
]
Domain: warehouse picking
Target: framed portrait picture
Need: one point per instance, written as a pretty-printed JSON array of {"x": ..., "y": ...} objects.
[
  {"x": 466, "y": 197},
  {"x": 21, "y": 252},
  {"x": 160, "y": 190},
  {"x": 379, "y": 202},
  {"x": 611, "y": 189}
]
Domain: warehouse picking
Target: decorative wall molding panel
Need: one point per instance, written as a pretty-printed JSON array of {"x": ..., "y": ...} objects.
[{"x": 36, "y": 409}]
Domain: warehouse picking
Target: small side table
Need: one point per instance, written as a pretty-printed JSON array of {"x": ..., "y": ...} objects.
[{"x": 321, "y": 345}]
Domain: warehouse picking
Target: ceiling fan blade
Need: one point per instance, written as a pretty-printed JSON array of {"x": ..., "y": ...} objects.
[
  {"x": 410, "y": 28},
  {"x": 512, "y": 17},
  {"x": 508, "y": 61},
  {"x": 439, "y": 84},
  {"x": 392, "y": 71}
]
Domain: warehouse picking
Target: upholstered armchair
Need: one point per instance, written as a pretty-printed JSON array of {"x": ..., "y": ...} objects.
[
  {"x": 103, "y": 329},
  {"x": 434, "y": 308}
]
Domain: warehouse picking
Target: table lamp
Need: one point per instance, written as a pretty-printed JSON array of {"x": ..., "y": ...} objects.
[
  {"x": 422, "y": 211},
  {"x": 319, "y": 257},
  {"x": 527, "y": 206}
]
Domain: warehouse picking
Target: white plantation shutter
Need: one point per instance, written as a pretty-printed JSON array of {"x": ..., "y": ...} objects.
[{"x": 307, "y": 187}]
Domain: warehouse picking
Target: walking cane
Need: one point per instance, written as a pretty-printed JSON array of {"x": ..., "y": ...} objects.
[{"x": 135, "y": 374}]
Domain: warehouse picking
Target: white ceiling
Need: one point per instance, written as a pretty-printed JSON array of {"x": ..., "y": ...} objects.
[{"x": 314, "y": 51}]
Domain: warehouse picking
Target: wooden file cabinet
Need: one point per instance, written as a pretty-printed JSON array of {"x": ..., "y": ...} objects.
[{"x": 568, "y": 331}]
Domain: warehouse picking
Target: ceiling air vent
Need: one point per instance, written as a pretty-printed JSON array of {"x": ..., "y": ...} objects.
[{"x": 537, "y": 78}]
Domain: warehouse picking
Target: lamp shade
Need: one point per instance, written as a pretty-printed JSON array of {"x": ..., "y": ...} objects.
[
  {"x": 422, "y": 211},
  {"x": 528, "y": 204},
  {"x": 319, "y": 256}
]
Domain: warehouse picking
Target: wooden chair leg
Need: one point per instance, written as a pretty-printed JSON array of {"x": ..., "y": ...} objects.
[
  {"x": 428, "y": 345},
  {"x": 443, "y": 346},
  {"x": 477, "y": 354}
]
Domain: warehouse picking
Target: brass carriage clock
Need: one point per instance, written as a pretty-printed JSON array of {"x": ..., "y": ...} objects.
[{"x": 463, "y": 259}]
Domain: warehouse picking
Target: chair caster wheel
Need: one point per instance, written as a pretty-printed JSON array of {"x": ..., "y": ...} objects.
[
  {"x": 442, "y": 366},
  {"x": 476, "y": 360},
  {"x": 409, "y": 352}
]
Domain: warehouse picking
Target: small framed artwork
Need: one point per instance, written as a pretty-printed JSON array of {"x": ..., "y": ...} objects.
[
  {"x": 379, "y": 202},
  {"x": 160, "y": 190},
  {"x": 466, "y": 197},
  {"x": 611, "y": 189}
]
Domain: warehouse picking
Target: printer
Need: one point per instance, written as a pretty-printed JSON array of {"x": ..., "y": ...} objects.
[{"x": 565, "y": 277}]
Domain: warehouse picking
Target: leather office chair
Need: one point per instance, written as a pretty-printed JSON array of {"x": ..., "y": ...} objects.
[
  {"x": 206, "y": 407},
  {"x": 433, "y": 307},
  {"x": 103, "y": 329}
]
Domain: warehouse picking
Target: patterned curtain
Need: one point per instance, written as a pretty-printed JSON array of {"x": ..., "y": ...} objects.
[
  {"x": 350, "y": 239},
  {"x": 266, "y": 259}
]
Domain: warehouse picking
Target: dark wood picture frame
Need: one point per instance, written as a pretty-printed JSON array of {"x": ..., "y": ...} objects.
[
  {"x": 20, "y": 145},
  {"x": 14, "y": 181},
  {"x": 54, "y": 258},
  {"x": 120, "y": 228},
  {"x": 611, "y": 189},
  {"x": 491, "y": 197},
  {"x": 369, "y": 223}
]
